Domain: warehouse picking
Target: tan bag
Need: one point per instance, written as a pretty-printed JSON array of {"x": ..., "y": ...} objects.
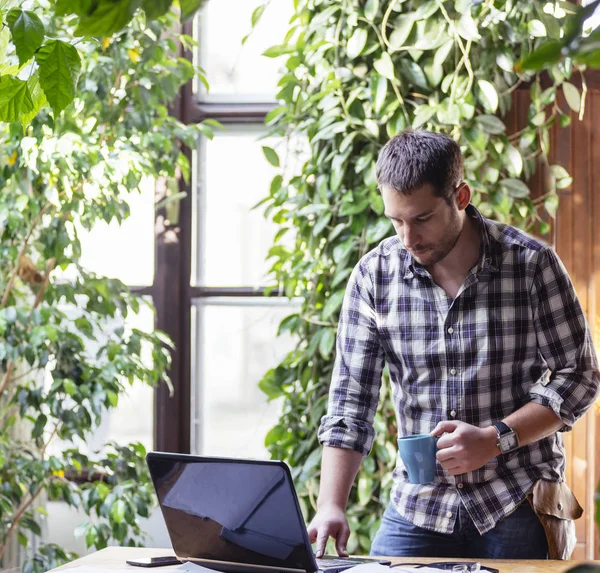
[{"x": 556, "y": 507}]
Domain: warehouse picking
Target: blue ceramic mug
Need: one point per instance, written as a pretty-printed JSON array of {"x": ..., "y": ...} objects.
[{"x": 418, "y": 454}]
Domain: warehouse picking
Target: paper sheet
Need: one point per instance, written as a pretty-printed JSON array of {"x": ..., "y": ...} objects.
[{"x": 378, "y": 568}]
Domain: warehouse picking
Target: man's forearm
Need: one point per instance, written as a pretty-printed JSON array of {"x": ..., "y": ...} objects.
[
  {"x": 533, "y": 422},
  {"x": 339, "y": 467}
]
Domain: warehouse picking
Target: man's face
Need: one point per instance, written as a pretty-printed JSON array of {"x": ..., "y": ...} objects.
[{"x": 426, "y": 224}]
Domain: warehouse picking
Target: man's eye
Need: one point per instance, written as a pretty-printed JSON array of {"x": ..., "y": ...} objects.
[{"x": 423, "y": 219}]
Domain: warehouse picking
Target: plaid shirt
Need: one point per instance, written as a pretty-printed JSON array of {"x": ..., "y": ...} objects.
[{"x": 515, "y": 333}]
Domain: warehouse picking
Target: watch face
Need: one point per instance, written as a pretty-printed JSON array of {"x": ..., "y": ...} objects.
[{"x": 508, "y": 442}]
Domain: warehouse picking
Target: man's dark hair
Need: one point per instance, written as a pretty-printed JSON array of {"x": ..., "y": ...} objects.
[{"x": 415, "y": 157}]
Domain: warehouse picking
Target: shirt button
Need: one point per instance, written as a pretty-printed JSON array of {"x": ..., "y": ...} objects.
[
  {"x": 453, "y": 413},
  {"x": 449, "y": 515},
  {"x": 459, "y": 485},
  {"x": 450, "y": 330},
  {"x": 453, "y": 371}
]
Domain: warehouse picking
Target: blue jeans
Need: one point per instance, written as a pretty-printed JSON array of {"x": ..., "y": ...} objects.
[{"x": 518, "y": 536}]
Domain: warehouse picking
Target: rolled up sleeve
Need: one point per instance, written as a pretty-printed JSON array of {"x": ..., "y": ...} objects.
[
  {"x": 565, "y": 342},
  {"x": 356, "y": 378}
]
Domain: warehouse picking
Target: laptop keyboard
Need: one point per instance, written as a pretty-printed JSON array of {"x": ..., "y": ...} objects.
[{"x": 331, "y": 563}]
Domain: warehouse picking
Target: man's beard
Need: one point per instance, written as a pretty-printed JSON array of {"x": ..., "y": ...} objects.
[{"x": 436, "y": 253}]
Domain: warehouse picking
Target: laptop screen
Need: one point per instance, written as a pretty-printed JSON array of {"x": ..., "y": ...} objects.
[{"x": 231, "y": 515}]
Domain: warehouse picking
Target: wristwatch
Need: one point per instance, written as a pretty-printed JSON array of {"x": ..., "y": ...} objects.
[{"x": 507, "y": 438}]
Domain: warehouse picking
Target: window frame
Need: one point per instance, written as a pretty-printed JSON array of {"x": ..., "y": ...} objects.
[{"x": 172, "y": 291}]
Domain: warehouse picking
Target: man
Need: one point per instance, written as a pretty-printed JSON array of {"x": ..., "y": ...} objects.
[{"x": 486, "y": 345}]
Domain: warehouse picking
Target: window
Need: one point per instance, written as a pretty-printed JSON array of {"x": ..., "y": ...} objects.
[{"x": 233, "y": 324}]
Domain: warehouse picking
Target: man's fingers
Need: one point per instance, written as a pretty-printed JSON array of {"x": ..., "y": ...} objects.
[
  {"x": 446, "y": 454},
  {"x": 445, "y": 426},
  {"x": 321, "y": 542},
  {"x": 341, "y": 541},
  {"x": 312, "y": 533}
]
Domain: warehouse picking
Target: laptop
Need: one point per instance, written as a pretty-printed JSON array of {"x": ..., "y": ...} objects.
[{"x": 236, "y": 515}]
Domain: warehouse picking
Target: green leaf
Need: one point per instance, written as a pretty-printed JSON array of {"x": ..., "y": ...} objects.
[
  {"x": 333, "y": 304},
  {"x": 426, "y": 9},
  {"x": 118, "y": 511},
  {"x": 59, "y": 67},
  {"x": 189, "y": 8},
  {"x": 91, "y": 536},
  {"x": 423, "y": 114},
  {"x": 385, "y": 66},
  {"x": 572, "y": 96},
  {"x": 156, "y": 8},
  {"x": 543, "y": 56},
  {"x": 414, "y": 73},
  {"x": 377, "y": 230},
  {"x": 558, "y": 171},
  {"x": 400, "y": 34},
  {"x": 564, "y": 183},
  {"x": 488, "y": 96},
  {"x": 491, "y": 124},
  {"x": 38, "y": 98},
  {"x": 22, "y": 538},
  {"x": 551, "y": 204},
  {"x": 66, "y": 7},
  {"x": 380, "y": 93},
  {"x": 356, "y": 43},
  {"x": 39, "y": 426},
  {"x": 27, "y": 32},
  {"x": 449, "y": 113},
  {"x": 327, "y": 342},
  {"x": 442, "y": 53},
  {"x": 505, "y": 62},
  {"x": 467, "y": 27},
  {"x": 515, "y": 160},
  {"x": 544, "y": 228},
  {"x": 536, "y": 29},
  {"x": 515, "y": 188},
  {"x": 257, "y": 14},
  {"x": 271, "y": 156},
  {"x": 276, "y": 51},
  {"x": 433, "y": 73},
  {"x": 15, "y": 99},
  {"x": 539, "y": 118},
  {"x": 371, "y": 8},
  {"x": 107, "y": 17},
  {"x": 365, "y": 489},
  {"x": 461, "y": 6}
]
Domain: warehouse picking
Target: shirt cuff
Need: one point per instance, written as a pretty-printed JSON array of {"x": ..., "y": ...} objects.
[
  {"x": 549, "y": 398},
  {"x": 340, "y": 432}
]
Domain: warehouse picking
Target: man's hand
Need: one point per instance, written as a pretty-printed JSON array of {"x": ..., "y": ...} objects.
[
  {"x": 330, "y": 521},
  {"x": 463, "y": 448}
]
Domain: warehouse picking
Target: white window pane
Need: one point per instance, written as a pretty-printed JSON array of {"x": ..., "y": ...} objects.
[
  {"x": 126, "y": 251},
  {"x": 233, "y": 238},
  {"x": 234, "y": 71},
  {"x": 235, "y": 345}
]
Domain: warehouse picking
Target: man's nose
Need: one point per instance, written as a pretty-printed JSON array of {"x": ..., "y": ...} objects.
[{"x": 410, "y": 238}]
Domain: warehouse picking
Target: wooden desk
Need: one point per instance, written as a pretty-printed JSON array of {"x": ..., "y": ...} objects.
[{"x": 115, "y": 557}]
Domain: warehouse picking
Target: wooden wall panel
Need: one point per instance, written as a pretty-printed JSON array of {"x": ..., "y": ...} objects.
[
  {"x": 577, "y": 242},
  {"x": 594, "y": 311},
  {"x": 576, "y": 238}
]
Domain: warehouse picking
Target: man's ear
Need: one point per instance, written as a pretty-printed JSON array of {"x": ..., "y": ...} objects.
[{"x": 463, "y": 195}]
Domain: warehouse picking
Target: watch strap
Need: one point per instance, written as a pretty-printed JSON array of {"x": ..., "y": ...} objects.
[{"x": 501, "y": 428}]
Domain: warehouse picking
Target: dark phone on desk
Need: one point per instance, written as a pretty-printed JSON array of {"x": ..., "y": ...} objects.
[{"x": 154, "y": 561}]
